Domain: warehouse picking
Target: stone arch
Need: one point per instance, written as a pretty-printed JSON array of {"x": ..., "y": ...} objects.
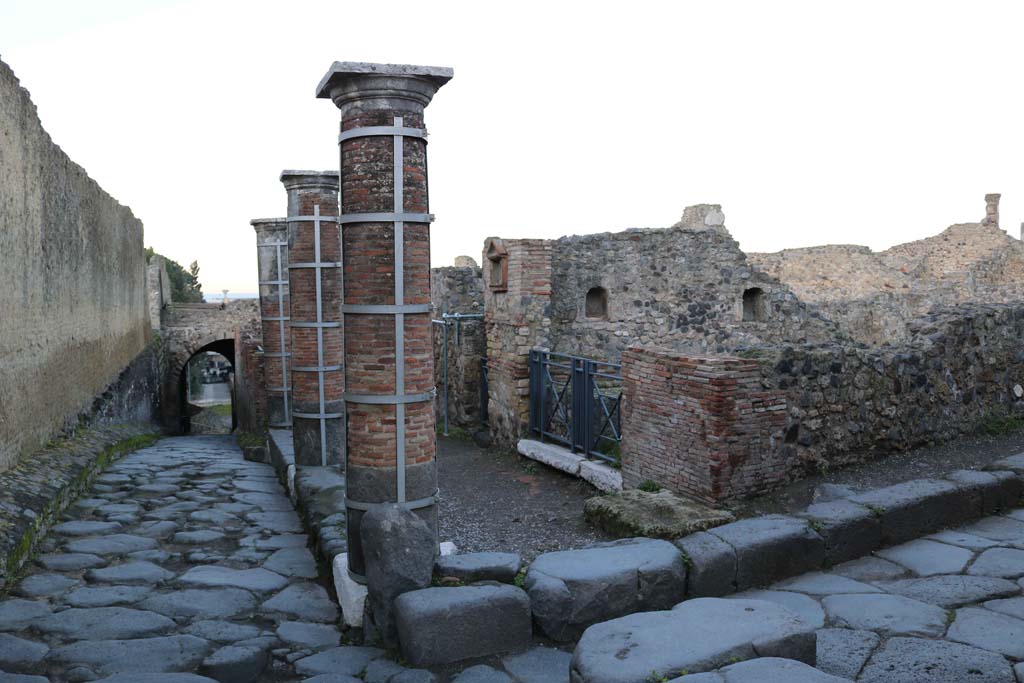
[
  {"x": 181, "y": 351},
  {"x": 595, "y": 307}
]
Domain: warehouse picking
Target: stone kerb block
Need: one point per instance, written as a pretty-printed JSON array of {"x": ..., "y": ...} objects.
[
  {"x": 553, "y": 456},
  {"x": 695, "y": 636},
  {"x": 847, "y": 529},
  {"x": 573, "y": 589},
  {"x": 918, "y": 507},
  {"x": 443, "y": 625},
  {"x": 1014, "y": 463},
  {"x": 711, "y": 565},
  {"x": 771, "y": 548},
  {"x": 469, "y": 567},
  {"x": 996, "y": 490}
]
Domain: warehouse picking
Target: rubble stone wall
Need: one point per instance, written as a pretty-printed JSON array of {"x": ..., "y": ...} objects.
[
  {"x": 74, "y": 272},
  {"x": 705, "y": 424}
]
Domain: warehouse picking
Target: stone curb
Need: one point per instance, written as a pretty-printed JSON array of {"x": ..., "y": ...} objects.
[
  {"x": 763, "y": 550},
  {"x": 597, "y": 474}
]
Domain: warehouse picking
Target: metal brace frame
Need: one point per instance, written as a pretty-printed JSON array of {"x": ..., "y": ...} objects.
[
  {"x": 319, "y": 324},
  {"x": 285, "y": 390},
  {"x": 399, "y": 309}
]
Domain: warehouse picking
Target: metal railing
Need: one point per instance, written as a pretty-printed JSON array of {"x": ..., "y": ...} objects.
[{"x": 576, "y": 402}]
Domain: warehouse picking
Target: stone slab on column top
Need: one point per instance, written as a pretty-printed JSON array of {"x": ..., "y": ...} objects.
[
  {"x": 262, "y": 223},
  {"x": 392, "y": 86},
  {"x": 297, "y": 180}
]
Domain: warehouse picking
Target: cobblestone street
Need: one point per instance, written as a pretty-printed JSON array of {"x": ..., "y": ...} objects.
[{"x": 185, "y": 557}]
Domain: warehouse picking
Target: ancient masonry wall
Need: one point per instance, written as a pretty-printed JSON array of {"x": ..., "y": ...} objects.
[
  {"x": 75, "y": 281},
  {"x": 517, "y": 318},
  {"x": 844, "y": 403},
  {"x": 458, "y": 289},
  {"x": 250, "y": 387}
]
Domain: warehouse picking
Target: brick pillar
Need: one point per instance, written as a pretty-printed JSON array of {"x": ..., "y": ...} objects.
[
  {"x": 314, "y": 280},
  {"x": 272, "y": 262},
  {"x": 389, "y": 361},
  {"x": 992, "y": 209}
]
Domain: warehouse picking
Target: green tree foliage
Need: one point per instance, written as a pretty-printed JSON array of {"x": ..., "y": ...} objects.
[{"x": 185, "y": 287}]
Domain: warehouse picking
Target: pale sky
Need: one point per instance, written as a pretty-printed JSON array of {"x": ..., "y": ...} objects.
[{"x": 810, "y": 122}]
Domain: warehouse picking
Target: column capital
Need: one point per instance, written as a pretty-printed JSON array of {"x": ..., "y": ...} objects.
[
  {"x": 261, "y": 225},
  {"x": 310, "y": 180},
  {"x": 362, "y": 86}
]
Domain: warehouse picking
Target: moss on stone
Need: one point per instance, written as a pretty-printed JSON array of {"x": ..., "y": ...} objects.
[{"x": 654, "y": 515}]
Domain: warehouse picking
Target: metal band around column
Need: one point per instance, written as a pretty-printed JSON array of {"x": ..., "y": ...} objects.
[
  {"x": 321, "y": 415},
  {"x": 399, "y": 310},
  {"x": 280, "y": 318}
]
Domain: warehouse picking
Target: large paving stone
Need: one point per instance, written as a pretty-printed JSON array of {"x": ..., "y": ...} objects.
[
  {"x": 17, "y": 613},
  {"x": 235, "y": 664},
  {"x": 847, "y": 529},
  {"x": 819, "y": 583},
  {"x": 843, "y": 651},
  {"x": 303, "y": 601},
  {"x": 222, "y": 631},
  {"x": 70, "y": 562},
  {"x": 962, "y": 539},
  {"x": 157, "y": 529},
  {"x": 292, "y": 562},
  {"x": 332, "y": 678},
  {"x": 22, "y": 678},
  {"x": 805, "y": 607},
  {"x": 952, "y": 591},
  {"x": 570, "y": 590},
  {"x": 1013, "y": 607},
  {"x": 915, "y": 660},
  {"x": 539, "y": 665},
  {"x": 481, "y": 673},
  {"x": 308, "y": 636},
  {"x": 870, "y": 569},
  {"x": 1013, "y": 463},
  {"x": 130, "y": 573},
  {"x": 471, "y": 567},
  {"x": 1007, "y": 563},
  {"x": 697, "y": 635},
  {"x": 764, "y": 670},
  {"x": 198, "y": 537},
  {"x": 155, "y": 678},
  {"x": 85, "y": 528},
  {"x": 348, "y": 660},
  {"x": 771, "y": 548},
  {"x": 105, "y": 596},
  {"x": 928, "y": 558},
  {"x": 283, "y": 522},
  {"x": 989, "y": 631},
  {"x": 997, "y": 529},
  {"x": 889, "y": 615},
  {"x": 18, "y": 652},
  {"x": 381, "y": 670},
  {"x": 443, "y": 625},
  {"x": 43, "y": 585},
  {"x": 104, "y": 623},
  {"x": 264, "y": 501},
  {"x": 143, "y": 655},
  {"x": 113, "y": 544},
  {"x": 212, "y": 603},
  {"x": 918, "y": 507},
  {"x": 710, "y": 565},
  {"x": 259, "y": 580}
]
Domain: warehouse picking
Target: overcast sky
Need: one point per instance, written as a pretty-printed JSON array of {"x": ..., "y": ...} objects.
[{"x": 810, "y": 122}]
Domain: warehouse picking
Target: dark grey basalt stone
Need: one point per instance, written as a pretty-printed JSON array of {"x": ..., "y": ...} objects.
[
  {"x": 917, "y": 660},
  {"x": 470, "y": 567},
  {"x": 771, "y": 548},
  {"x": 847, "y": 529},
  {"x": 443, "y": 625},
  {"x": 918, "y": 507},
  {"x": 572, "y": 589},
  {"x": 710, "y": 565}
]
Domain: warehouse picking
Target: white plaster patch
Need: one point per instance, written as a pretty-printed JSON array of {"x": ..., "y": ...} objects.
[
  {"x": 551, "y": 455},
  {"x": 351, "y": 595},
  {"x": 603, "y": 477}
]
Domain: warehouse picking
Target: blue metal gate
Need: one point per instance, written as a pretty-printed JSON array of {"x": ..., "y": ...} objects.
[{"x": 576, "y": 402}]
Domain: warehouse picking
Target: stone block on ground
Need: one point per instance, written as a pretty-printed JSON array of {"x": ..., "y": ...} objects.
[
  {"x": 1013, "y": 463},
  {"x": 539, "y": 665},
  {"x": 470, "y": 567},
  {"x": 710, "y": 565},
  {"x": 918, "y": 660},
  {"x": 764, "y": 670},
  {"x": 996, "y": 490},
  {"x": 652, "y": 515},
  {"x": 551, "y": 455},
  {"x": 572, "y": 589},
  {"x": 444, "y": 625},
  {"x": 888, "y": 615},
  {"x": 698, "y": 635},
  {"x": 351, "y": 595},
  {"x": 235, "y": 664},
  {"x": 601, "y": 476},
  {"x": 400, "y": 550},
  {"x": 918, "y": 507},
  {"x": 848, "y": 530},
  {"x": 771, "y": 548},
  {"x": 843, "y": 652}
]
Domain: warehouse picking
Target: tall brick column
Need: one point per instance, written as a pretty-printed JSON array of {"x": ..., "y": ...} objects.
[
  {"x": 389, "y": 373},
  {"x": 272, "y": 262},
  {"x": 314, "y": 280}
]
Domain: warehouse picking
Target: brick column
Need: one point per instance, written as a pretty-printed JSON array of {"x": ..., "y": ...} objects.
[
  {"x": 389, "y": 361},
  {"x": 272, "y": 262},
  {"x": 314, "y": 279}
]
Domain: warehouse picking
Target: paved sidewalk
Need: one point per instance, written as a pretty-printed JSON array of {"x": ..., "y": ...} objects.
[
  {"x": 185, "y": 557},
  {"x": 943, "y": 609}
]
